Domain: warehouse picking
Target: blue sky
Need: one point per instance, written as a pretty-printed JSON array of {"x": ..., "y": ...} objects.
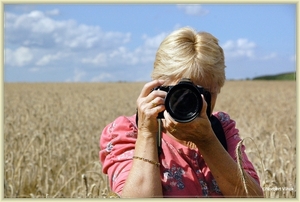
[{"x": 118, "y": 42}]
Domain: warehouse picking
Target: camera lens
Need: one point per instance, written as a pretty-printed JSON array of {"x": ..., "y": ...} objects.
[{"x": 183, "y": 103}]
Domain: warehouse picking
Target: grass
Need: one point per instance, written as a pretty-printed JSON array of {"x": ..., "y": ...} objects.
[
  {"x": 52, "y": 131},
  {"x": 291, "y": 76}
]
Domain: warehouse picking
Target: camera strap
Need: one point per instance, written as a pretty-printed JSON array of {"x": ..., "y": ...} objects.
[
  {"x": 218, "y": 130},
  {"x": 158, "y": 133},
  {"x": 159, "y": 137}
]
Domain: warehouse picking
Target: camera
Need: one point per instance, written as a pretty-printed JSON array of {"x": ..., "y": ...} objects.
[{"x": 183, "y": 101}]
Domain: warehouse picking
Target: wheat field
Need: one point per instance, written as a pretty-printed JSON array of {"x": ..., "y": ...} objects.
[{"x": 52, "y": 130}]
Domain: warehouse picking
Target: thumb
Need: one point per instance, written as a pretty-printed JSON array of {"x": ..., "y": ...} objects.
[{"x": 204, "y": 107}]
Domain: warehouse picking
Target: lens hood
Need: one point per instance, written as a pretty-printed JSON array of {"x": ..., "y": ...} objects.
[{"x": 183, "y": 101}]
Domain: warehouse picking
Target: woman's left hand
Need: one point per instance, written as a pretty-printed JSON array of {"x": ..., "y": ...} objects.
[{"x": 197, "y": 130}]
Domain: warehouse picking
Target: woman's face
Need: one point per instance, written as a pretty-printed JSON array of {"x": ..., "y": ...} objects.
[{"x": 214, "y": 90}]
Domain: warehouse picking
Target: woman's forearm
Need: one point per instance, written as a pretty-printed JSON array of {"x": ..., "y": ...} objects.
[
  {"x": 144, "y": 177},
  {"x": 226, "y": 172}
]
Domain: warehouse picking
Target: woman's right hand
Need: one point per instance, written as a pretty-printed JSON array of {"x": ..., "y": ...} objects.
[
  {"x": 143, "y": 174},
  {"x": 149, "y": 104}
]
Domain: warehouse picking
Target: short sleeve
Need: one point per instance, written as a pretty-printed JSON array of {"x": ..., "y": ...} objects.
[
  {"x": 232, "y": 139},
  {"x": 117, "y": 143}
]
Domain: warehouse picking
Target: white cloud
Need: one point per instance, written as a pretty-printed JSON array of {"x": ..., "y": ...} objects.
[
  {"x": 19, "y": 57},
  {"x": 53, "y": 12},
  {"x": 148, "y": 50},
  {"x": 34, "y": 69},
  {"x": 193, "y": 9},
  {"x": 38, "y": 29},
  {"x": 100, "y": 59},
  {"x": 34, "y": 21},
  {"x": 239, "y": 48},
  {"x": 243, "y": 48},
  {"x": 154, "y": 42},
  {"x": 101, "y": 77},
  {"x": 77, "y": 77},
  {"x": 45, "y": 41},
  {"x": 293, "y": 58},
  {"x": 78, "y": 74},
  {"x": 118, "y": 56},
  {"x": 46, "y": 59},
  {"x": 121, "y": 56},
  {"x": 35, "y": 14},
  {"x": 125, "y": 56},
  {"x": 8, "y": 17},
  {"x": 177, "y": 26},
  {"x": 81, "y": 37},
  {"x": 270, "y": 56}
]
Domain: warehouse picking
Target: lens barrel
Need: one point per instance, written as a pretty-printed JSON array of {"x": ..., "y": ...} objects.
[{"x": 184, "y": 102}]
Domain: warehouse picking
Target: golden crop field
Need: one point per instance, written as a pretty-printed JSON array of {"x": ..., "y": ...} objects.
[{"x": 52, "y": 131}]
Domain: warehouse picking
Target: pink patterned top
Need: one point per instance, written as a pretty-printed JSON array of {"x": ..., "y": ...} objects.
[{"x": 184, "y": 172}]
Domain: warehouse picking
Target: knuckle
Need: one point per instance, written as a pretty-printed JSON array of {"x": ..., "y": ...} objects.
[
  {"x": 149, "y": 84},
  {"x": 148, "y": 113},
  {"x": 143, "y": 108}
]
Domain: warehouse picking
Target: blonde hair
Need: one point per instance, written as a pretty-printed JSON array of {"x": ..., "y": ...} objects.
[{"x": 188, "y": 54}]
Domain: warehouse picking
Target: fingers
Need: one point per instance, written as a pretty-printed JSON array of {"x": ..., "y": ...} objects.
[
  {"x": 156, "y": 100},
  {"x": 148, "y": 87},
  {"x": 170, "y": 124},
  {"x": 152, "y": 98},
  {"x": 204, "y": 107},
  {"x": 151, "y": 102}
]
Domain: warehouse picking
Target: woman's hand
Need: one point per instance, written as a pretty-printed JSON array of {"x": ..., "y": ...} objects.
[
  {"x": 149, "y": 104},
  {"x": 195, "y": 131},
  {"x": 143, "y": 174}
]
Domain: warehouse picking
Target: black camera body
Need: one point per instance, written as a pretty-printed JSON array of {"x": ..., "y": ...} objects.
[{"x": 184, "y": 102}]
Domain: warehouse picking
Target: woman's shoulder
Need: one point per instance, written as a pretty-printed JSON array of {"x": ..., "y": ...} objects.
[
  {"x": 122, "y": 122},
  {"x": 121, "y": 129},
  {"x": 125, "y": 119},
  {"x": 117, "y": 141},
  {"x": 223, "y": 117},
  {"x": 228, "y": 124}
]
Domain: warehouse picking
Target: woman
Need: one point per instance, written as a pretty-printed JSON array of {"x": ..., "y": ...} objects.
[{"x": 192, "y": 161}]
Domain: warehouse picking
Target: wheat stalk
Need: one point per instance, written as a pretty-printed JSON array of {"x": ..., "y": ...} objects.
[{"x": 59, "y": 125}]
